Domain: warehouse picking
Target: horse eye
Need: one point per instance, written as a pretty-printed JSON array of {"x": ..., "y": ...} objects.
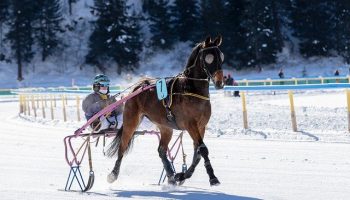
[
  {"x": 209, "y": 58},
  {"x": 222, "y": 57}
]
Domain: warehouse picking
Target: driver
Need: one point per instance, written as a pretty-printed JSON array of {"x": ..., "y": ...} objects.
[{"x": 98, "y": 100}]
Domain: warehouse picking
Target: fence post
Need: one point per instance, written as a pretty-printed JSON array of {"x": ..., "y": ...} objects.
[
  {"x": 322, "y": 81},
  {"x": 28, "y": 105},
  {"x": 294, "y": 121},
  {"x": 42, "y": 106},
  {"x": 245, "y": 117},
  {"x": 20, "y": 103},
  {"x": 24, "y": 104},
  {"x": 45, "y": 99},
  {"x": 38, "y": 101},
  {"x": 33, "y": 106},
  {"x": 348, "y": 101},
  {"x": 78, "y": 108},
  {"x": 64, "y": 109},
  {"x": 51, "y": 107}
]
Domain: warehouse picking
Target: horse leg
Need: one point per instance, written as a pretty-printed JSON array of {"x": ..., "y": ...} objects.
[
  {"x": 180, "y": 177},
  {"x": 122, "y": 141},
  {"x": 204, "y": 152},
  {"x": 200, "y": 150},
  {"x": 166, "y": 134},
  {"x": 196, "y": 137}
]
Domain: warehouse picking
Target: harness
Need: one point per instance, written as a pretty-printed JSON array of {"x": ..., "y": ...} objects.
[{"x": 167, "y": 102}]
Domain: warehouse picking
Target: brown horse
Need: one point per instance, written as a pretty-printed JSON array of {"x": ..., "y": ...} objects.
[{"x": 189, "y": 104}]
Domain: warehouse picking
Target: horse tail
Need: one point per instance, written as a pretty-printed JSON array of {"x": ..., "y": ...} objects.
[{"x": 113, "y": 148}]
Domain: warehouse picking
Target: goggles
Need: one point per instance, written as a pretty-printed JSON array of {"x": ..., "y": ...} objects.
[{"x": 103, "y": 84}]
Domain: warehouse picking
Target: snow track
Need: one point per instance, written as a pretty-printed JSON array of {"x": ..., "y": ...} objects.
[{"x": 267, "y": 161}]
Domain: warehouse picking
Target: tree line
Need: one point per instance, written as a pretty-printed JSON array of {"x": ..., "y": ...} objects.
[{"x": 254, "y": 31}]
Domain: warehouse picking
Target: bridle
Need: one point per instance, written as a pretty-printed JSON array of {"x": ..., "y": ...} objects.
[{"x": 203, "y": 63}]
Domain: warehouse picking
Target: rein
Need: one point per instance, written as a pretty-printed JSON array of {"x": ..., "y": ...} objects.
[{"x": 186, "y": 93}]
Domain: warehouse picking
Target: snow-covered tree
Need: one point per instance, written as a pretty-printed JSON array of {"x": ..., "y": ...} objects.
[
  {"x": 160, "y": 24},
  {"x": 185, "y": 20},
  {"x": 313, "y": 24},
  {"x": 4, "y": 16},
  {"x": 342, "y": 29},
  {"x": 21, "y": 30},
  {"x": 115, "y": 37},
  {"x": 262, "y": 35},
  {"x": 48, "y": 26}
]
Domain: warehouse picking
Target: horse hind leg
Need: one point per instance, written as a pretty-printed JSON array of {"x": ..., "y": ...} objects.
[{"x": 122, "y": 142}]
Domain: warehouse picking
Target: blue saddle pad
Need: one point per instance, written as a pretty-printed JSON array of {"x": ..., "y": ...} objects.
[{"x": 162, "y": 91}]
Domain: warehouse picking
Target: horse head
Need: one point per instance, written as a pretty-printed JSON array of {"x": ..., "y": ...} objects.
[{"x": 207, "y": 59}]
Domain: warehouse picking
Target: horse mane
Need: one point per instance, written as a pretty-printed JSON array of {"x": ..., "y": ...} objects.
[
  {"x": 143, "y": 81},
  {"x": 193, "y": 55}
]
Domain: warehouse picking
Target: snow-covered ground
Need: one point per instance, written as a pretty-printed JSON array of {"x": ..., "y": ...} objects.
[{"x": 267, "y": 161}]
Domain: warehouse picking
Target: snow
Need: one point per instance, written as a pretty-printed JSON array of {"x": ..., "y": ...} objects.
[{"x": 266, "y": 161}]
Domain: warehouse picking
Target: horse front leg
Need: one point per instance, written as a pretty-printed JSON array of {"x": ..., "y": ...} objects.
[
  {"x": 200, "y": 151},
  {"x": 166, "y": 135},
  {"x": 204, "y": 152}
]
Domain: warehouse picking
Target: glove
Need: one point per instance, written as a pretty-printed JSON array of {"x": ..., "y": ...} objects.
[{"x": 108, "y": 101}]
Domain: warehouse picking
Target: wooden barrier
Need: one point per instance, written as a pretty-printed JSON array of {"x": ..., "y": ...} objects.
[
  {"x": 21, "y": 109},
  {"x": 348, "y": 102},
  {"x": 33, "y": 106},
  {"x": 38, "y": 101},
  {"x": 45, "y": 100},
  {"x": 245, "y": 117},
  {"x": 292, "y": 111},
  {"x": 43, "y": 107},
  {"x": 51, "y": 107},
  {"x": 64, "y": 109},
  {"x": 78, "y": 108},
  {"x": 28, "y": 106}
]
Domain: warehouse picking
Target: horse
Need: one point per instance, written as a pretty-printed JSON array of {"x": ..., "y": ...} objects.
[{"x": 190, "y": 105}]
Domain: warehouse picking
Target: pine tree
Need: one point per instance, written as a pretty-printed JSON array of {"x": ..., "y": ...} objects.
[
  {"x": 160, "y": 24},
  {"x": 21, "y": 32},
  {"x": 70, "y": 5},
  {"x": 186, "y": 20},
  {"x": 4, "y": 13},
  {"x": 48, "y": 26},
  {"x": 114, "y": 37},
  {"x": 130, "y": 55},
  {"x": 212, "y": 17},
  {"x": 342, "y": 29},
  {"x": 262, "y": 34},
  {"x": 312, "y": 22},
  {"x": 233, "y": 33}
]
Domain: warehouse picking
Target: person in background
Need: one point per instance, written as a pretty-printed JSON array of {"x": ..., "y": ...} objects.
[
  {"x": 98, "y": 100},
  {"x": 235, "y": 93},
  {"x": 336, "y": 73},
  {"x": 281, "y": 73},
  {"x": 229, "y": 80}
]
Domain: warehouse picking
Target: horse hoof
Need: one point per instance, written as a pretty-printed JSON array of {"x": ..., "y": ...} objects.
[
  {"x": 179, "y": 177},
  {"x": 214, "y": 182},
  {"x": 111, "y": 177}
]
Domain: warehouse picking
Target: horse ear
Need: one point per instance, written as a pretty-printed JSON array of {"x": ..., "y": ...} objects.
[
  {"x": 218, "y": 40},
  {"x": 207, "y": 41}
]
